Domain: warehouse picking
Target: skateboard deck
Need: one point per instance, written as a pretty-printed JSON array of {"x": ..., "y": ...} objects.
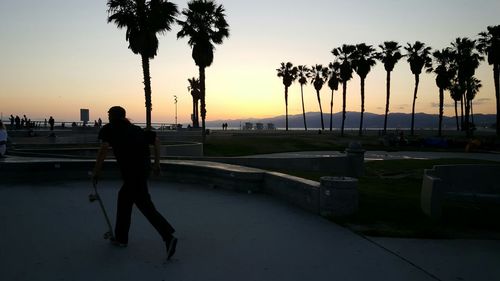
[{"x": 95, "y": 197}]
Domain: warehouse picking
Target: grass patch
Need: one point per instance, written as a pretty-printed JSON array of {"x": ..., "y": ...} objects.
[
  {"x": 389, "y": 199},
  {"x": 251, "y": 145}
]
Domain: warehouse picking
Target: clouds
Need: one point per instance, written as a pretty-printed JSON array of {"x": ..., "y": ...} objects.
[{"x": 474, "y": 102}]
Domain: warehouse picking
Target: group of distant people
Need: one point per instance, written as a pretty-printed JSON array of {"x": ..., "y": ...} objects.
[
  {"x": 3, "y": 139},
  {"x": 98, "y": 123},
  {"x": 17, "y": 123},
  {"x": 224, "y": 126}
]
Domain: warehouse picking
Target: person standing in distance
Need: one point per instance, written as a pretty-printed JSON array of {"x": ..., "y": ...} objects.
[{"x": 130, "y": 146}]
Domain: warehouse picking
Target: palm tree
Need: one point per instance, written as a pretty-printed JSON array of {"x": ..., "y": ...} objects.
[
  {"x": 467, "y": 61},
  {"x": 389, "y": 56},
  {"x": 289, "y": 74},
  {"x": 319, "y": 76},
  {"x": 489, "y": 44},
  {"x": 194, "y": 89},
  {"x": 445, "y": 73},
  {"x": 456, "y": 95},
  {"x": 205, "y": 24},
  {"x": 474, "y": 86},
  {"x": 303, "y": 73},
  {"x": 364, "y": 60},
  {"x": 333, "y": 84},
  {"x": 418, "y": 57},
  {"x": 143, "y": 20},
  {"x": 344, "y": 55}
]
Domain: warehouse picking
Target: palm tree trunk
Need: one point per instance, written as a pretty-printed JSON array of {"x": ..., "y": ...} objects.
[
  {"x": 441, "y": 105},
  {"x": 147, "y": 89},
  {"x": 496, "y": 73},
  {"x": 467, "y": 111},
  {"x": 303, "y": 107},
  {"x": 462, "y": 112},
  {"x": 331, "y": 113},
  {"x": 472, "y": 113},
  {"x": 286, "y": 108},
  {"x": 388, "y": 82},
  {"x": 202, "y": 99},
  {"x": 320, "y": 110},
  {"x": 197, "y": 114},
  {"x": 344, "y": 92},
  {"x": 456, "y": 115},
  {"x": 417, "y": 79},
  {"x": 362, "y": 106},
  {"x": 194, "y": 112}
]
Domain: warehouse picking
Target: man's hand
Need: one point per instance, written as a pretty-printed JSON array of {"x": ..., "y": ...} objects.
[{"x": 156, "y": 170}]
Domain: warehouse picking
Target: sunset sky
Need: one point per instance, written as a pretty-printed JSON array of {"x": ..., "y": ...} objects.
[{"x": 58, "y": 56}]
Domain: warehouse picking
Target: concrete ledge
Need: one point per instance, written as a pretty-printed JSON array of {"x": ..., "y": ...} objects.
[
  {"x": 467, "y": 182},
  {"x": 297, "y": 191}
]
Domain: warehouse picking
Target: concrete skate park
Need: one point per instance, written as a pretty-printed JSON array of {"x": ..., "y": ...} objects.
[{"x": 233, "y": 222}]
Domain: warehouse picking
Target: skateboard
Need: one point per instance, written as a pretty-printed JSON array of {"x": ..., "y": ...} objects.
[{"x": 95, "y": 196}]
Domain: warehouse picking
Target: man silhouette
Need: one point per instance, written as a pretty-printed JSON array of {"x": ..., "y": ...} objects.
[{"x": 131, "y": 148}]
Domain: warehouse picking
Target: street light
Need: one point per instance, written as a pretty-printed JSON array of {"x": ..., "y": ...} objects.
[{"x": 175, "y": 101}]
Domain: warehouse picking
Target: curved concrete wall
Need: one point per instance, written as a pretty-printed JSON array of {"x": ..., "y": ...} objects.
[{"x": 300, "y": 192}]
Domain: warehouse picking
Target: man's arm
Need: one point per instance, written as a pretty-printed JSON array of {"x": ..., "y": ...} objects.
[{"x": 101, "y": 156}]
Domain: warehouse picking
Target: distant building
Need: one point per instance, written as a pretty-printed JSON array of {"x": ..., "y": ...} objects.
[
  {"x": 259, "y": 126},
  {"x": 270, "y": 126},
  {"x": 248, "y": 126}
]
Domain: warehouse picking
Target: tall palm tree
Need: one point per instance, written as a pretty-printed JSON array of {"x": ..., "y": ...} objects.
[
  {"x": 489, "y": 44},
  {"x": 389, "y": 56},
  {"x": 364, "y": 60},
  {"x": 333, "y": 84},
  {"x": 344, "y": 55},
  {"x": 303, "y": 73},
  {"x": 445, "y": 73},
  {"x": 418, "y": 58},
  {"x": 205, "y": 24},
  {"x": 194, "y": 89},
  {"x": 289, "y": 74},
  {"x": 456, "y": 95},
  {"x": 467, "y": 60},
  {"x": 143, "y": 20},
  {"x": 319, "y": 76}
]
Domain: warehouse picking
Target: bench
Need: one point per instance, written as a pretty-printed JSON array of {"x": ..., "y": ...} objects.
[{"x": 475, "y": 183}]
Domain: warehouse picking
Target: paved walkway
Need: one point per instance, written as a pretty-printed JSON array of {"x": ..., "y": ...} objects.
[
  {"x": 384, "y": 155},
  {"x": 51, "y": 232}
]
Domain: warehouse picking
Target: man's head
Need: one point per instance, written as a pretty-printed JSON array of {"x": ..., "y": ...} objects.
[{"x": 116, "y": 113}]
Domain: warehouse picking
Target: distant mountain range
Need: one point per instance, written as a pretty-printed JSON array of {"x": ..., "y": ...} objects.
[{"x": 370, "y": 121}]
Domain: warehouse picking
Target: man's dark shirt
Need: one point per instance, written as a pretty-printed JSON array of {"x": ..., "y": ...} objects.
[{"x": 130, "y": 146}]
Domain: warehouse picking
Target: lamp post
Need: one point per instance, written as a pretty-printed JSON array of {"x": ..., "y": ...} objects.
[{"x": 175, "y": 101}]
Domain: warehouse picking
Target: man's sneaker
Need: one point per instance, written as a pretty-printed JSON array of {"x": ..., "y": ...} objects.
[
  {"x": 117, "y": 243},
  {"x": 171, "y": 245}
]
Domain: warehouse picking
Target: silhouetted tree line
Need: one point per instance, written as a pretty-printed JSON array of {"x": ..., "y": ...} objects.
[{"x": 454, "y": 67}]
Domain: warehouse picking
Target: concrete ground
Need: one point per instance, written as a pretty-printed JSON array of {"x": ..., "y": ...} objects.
[
  {"x": 51, "y": 232},
  {"x": 384, "y": 155}
]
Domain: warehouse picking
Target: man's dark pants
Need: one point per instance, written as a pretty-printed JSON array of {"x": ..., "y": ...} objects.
[{"x": 135, "y": 191}]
